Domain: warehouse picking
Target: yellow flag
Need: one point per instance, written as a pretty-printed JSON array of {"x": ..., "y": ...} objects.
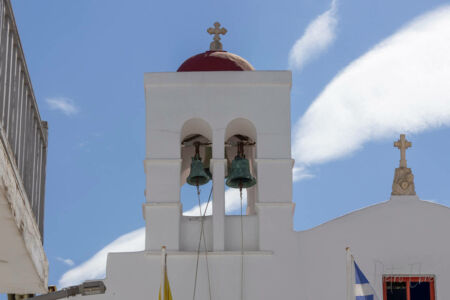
[
  {"x": 168, "y": 293},
  {"x": 165, "y": 286}
]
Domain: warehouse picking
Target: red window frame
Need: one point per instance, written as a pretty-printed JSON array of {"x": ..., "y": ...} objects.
[{"x": 408, "y": 279}]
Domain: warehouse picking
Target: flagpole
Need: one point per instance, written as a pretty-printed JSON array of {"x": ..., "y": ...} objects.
[
  {"x": 163, "y": 273},
  {"x": 349, "y": 275}
]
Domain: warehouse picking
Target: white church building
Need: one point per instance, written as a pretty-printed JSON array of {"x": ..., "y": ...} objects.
[{"x": 218, "y": 104}]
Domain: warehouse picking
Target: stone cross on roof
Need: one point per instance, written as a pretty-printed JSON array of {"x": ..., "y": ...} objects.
[
  {"x": 216, "y": 44},
  {"x": 403, "y": 178},
  {"x": 402, "y": 144}
]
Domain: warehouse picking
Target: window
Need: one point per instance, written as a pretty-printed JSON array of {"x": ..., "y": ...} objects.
[{"x": 400, "y": 287}]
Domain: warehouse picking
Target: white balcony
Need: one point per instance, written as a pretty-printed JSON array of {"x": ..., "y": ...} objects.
[
  {"x": 23, "y": 265},
  {"x": 23, "y": 153}
]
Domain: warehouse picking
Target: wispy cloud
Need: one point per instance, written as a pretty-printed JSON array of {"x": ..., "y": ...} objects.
[
  {"x": 233, "y": 201},
  {"x": 196, "y": 212},
  {"x": 301, "y": 172},
  {"x": 318, "y": 36},
  {"x": 232, "y": 204},
  {"x": 401, "y": 85},
  {"x": 64, "y": 105},
  {"x": 95, "y": 267},
  {"x": 66, "y": 261}
]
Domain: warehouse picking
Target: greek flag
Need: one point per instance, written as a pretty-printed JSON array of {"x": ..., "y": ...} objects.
[{"x": 358, "y": 287}]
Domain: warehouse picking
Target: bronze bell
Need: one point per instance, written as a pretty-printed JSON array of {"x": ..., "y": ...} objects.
[
  {"x": 208, "y": 157},
  {"x": 197, "y": 176},
  {"x": 239, "y": 175}
]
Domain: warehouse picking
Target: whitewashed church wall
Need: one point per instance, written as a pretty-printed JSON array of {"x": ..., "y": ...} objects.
[
  {"x": 274, "y": 180},
  {"x": 137, "y": 276},
  {"x": 190, "y": 233},
  {"x": 218, "y": 98},
  {"x": 162, "y": 224},
  {"x": 402, "y": 236},
  {"x": 223, "y": 103},
  {"x": 233, "y": 233},
  {"x": 162, "y": 180}
]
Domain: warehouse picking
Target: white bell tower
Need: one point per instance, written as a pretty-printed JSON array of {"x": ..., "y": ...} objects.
[
  {"x": 217, "y": 99},
  {"x": 216, "y": 96}
]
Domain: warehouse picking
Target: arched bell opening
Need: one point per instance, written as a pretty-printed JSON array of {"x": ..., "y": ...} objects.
[
  {"x": 240, "y": 153},
  {"x": 195, "y": 153}
]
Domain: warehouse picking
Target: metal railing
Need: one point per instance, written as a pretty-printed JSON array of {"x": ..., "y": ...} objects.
[{"x": 21, "y": 125}]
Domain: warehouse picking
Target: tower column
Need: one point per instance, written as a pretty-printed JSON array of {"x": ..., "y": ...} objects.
[
  {"x": 251, "y": 200},
  {"x": 162, "y": 210},
  {"x": 274, "y": 179},
  {"x": 274, "y": 190},
  {"x": 218, "y": 168}
]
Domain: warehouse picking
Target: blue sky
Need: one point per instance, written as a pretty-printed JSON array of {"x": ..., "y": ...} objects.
[{"x": 349, "y": 103}]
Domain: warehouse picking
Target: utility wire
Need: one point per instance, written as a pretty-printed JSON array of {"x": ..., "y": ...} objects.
[
  {"x": 242, "y": 249},
  {"x": 202, "y": 234}
]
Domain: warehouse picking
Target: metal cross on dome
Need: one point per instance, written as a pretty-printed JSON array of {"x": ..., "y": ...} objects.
[
  {"x": 216, "y": 44},
  {"x": 402, "y": 144}
]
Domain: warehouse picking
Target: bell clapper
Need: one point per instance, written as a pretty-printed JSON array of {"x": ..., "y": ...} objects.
[
  {"x": 240, "y": 150},
  {"x": 197, "y": 150}
]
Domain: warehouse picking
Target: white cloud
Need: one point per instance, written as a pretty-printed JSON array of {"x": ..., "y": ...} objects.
[
  {"x": 64, "y": 105},
  {"x": 232, "y": 204},
  {"x": 66, "y": 261},
  {"x": 233, "y": 201},
  {"x": 318, "y": 36},
  {"x": 95, "y": 267},
  {"x": 401, "y": 85},
  {"x": 196, "y": 212},
  {"x": 301, "y": 172}
]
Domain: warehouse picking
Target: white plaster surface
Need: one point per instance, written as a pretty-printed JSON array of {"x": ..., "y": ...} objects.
[
  {"x": 23, "y": 264},
  {"x": 218, "y": 98},
  {"x": 216, "y": 105},
  {"x": 404, "y": 235}
]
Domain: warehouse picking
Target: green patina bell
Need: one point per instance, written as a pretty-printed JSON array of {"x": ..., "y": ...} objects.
[
  {"x": 208, "y": 157},
  {"x": 228, "y": 169},
  {"x": 239, "y": 175},
  {"x": 198, "y": 175}
]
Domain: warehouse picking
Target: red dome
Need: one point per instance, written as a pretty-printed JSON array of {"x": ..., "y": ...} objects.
[{"x": 215, "y": 61}]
